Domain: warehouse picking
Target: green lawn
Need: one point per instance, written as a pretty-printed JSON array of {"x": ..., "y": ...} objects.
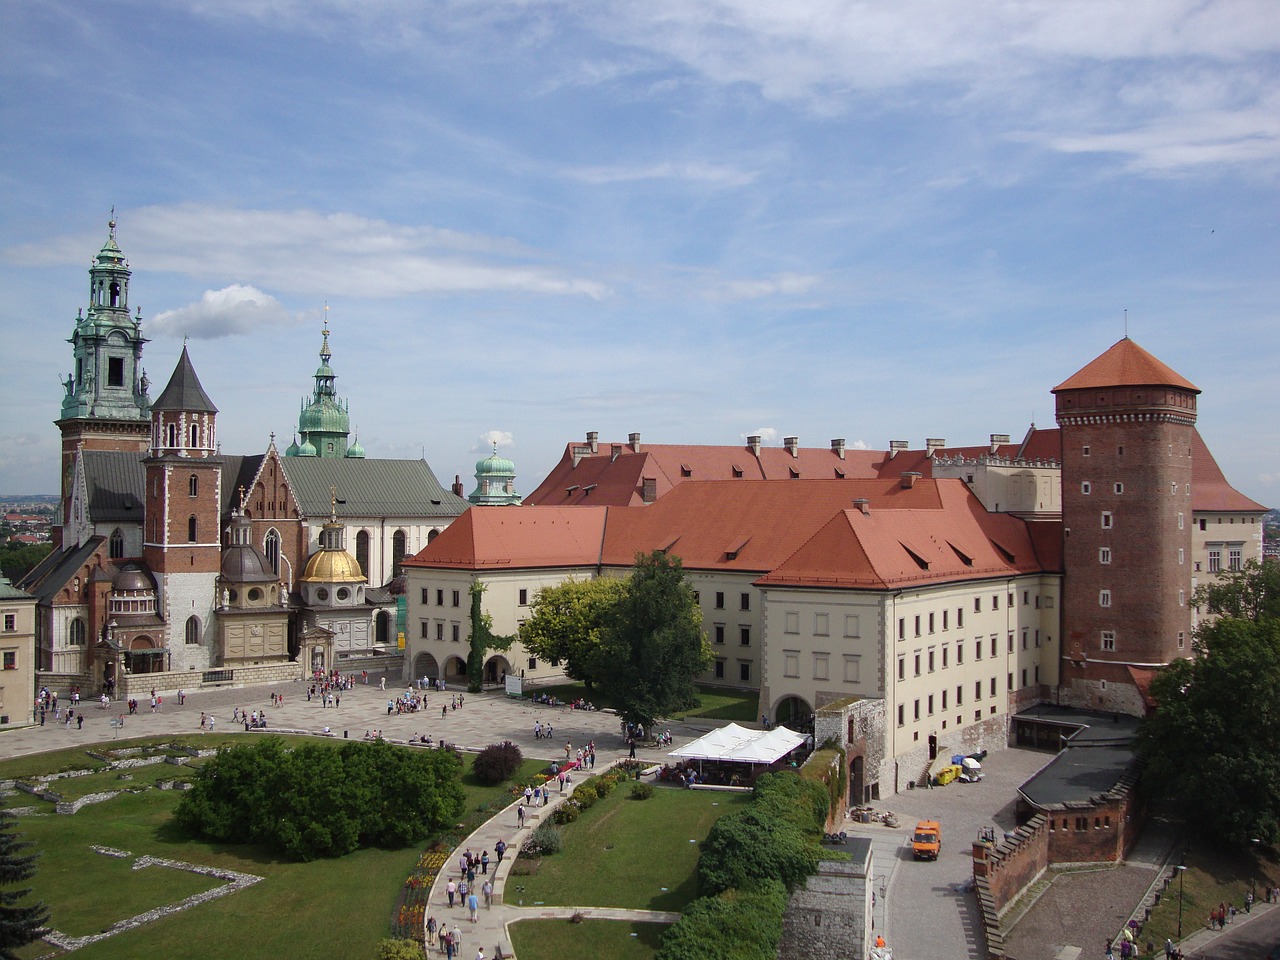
[
  {"x": 622, "y": 852},
  {"x": 297, "y": 911},
  {"x": 588, "y": 940},
  {"x": 715, "y": 703}
]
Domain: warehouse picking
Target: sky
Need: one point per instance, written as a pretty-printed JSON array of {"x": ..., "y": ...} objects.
[{"x": 697, "y": 221}]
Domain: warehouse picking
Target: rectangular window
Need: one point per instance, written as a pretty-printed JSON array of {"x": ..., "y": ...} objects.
[
  {"x": 959, "y": 652},
  {"x": 1086, "y": 488},
  {"x": 902, "y": 668},
  {"x": 439, "y": 598},
  {"x": 852, "y": 625},
  {"x": 1104, "y": 598},
  {"x": 524, "y": 597},
  {"x": 1084, "y": 452},
  {"x": 1182, "y": 598},
  {"x": 977, "y": 604},
  {"x": 1203, "y": 524},
  {"x": 1106, "y": 519},
  {"x": 1024, "y": 638},
  {"x": 931, "y": 623},
  {"x": 719, "y": 599},
  {"x": 1215, "y": 559},
  {"x": 456, "y": 631},
  {"x": 1104, "y": 554},
  {"x": 995, "y": 601},
  {"x": 959, "y": 618},
  {"x": 1119, "y": 488},
  {"x": 977, "y": 690},
  {"x": 902, "y": 628},
  {"x": 439, "y": 629},
  {"x": 1026, "y": 597},
  {"x": 821, "y": 668},
  {"x": 745, "y": 602},
  {"x": 821, "y": 626},
  {"x": 1182, "y": 556},
  {"x": 1182, "y": 639},
  {"x": 993, "y": 644},
  {"x": 916, "y": 708},
  {"x": 791, "y": 622},
  {"x": 457, "y": 599},
  {"x": 902, "y": 714},
  {"x": 744, "y": 636},
  {"x": 791, "y": 663},
  {"x": 719, "y": 633},
  {"x": 944, "y": 656},
  {"x": 931, "y": 661},
  {"x": 917, "y": 624},
  {"x": 959, "y": 695},
  {"x": 115, "y": 371},
  {"x": 1234, "y": 558},
  {"x": 426, "y": 596},
  {"x": 977, "y": 649},
  {"x": 1108, "y": 640},
  {"x": 426, "y": 630},
  {"x": 719, "y": 671},
  {"x": 1024, "y": 676},
  {"x": 931, "y": 704},
  {"x": 1011, "y": 643},
  {"x": 533, "y": 663},
  {"x": 11, "y": 660},
  {"x": 10, "y": 622},
  {"x": 744, "y": 671},
  {"x": 993, "y": 685},
  {"x": 917, "y": 659},
  {"x": 1181, "y": 521}
]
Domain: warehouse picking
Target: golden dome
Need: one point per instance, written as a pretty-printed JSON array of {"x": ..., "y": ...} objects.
[{"x": 333, "y": 566}]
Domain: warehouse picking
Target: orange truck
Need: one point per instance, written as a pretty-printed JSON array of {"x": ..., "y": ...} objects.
[{"x": 926, "y": 842}]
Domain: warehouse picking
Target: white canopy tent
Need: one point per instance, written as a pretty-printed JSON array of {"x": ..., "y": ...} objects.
[{"x": 735, "y": 743}]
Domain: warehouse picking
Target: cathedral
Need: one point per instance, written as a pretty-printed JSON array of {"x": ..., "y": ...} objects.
[{"x": 177, "y": 563}]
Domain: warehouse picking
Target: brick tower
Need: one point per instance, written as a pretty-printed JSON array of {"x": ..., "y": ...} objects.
[
  {"x": 104, "y": 404},
  {"x": 182, "y": 539},
  {"x": 1127, "y": 424}
]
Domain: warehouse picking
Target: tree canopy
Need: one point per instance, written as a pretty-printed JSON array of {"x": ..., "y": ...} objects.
[
  {"x": 320, "y": 800},
  {"x": 20, "y": 923},
  {"x": 567, "y": 623},
  {"x": 652, "y": 646},
  {"x": 1210, "y": 747},
  {"x": 483, "y": 639}
]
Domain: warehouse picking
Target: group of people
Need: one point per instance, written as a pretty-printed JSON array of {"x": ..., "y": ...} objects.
[{"x": 541, "y": 731}]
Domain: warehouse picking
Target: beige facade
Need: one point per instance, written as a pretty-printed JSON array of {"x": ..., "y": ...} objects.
[
  {"x": 17, "y": 656},
  {"x": 1222, "y": 541}
]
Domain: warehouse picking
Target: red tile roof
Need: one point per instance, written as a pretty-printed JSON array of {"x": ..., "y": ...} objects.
[
  {"x": 1125, "y": 364},
  {"x": 514, "y": 537},
  {"x": 891, "y": 549},
  {"x": 1210, "y": 490}
]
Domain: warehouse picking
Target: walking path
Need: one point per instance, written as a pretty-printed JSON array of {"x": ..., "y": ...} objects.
[{"x": 492, "y": 928}]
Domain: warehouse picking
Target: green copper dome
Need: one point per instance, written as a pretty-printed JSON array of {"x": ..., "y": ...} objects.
[
  {"x": 324, "y": 422},
  {"x": 495, "y": 482},
  {"x": 355, "y": 451},
  {"x": 306, "y": 449},
  {"x": 495, "y": 466}
]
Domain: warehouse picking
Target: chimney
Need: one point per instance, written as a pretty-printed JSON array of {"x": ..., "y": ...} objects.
[
  {"x": 615, "y": 452},
  {"x": 932, "y": 445},
  {"x": 896, "y": 447},
  {"x": 863, "y": 505},
  {"x": 837, "y": 447},
  {"x": 997, "y": 439},
  {"x": 753, "y": 443},
  {"x": 909, "y": 478},
  {"x": 457, "y": 485},
  {"x": 593, "y": 441},
  {"x": 648, "y": 489},
  {"x": 793, "y": 445},
  {"x": 633, "y": 440}
]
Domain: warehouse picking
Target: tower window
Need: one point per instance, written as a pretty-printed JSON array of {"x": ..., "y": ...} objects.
[
  {"x": 193, "y": 486},
  {"x": 1104, "y": 554},
  {"x": 1108, "y": 640},
  {"x": 172, "y": 435},
  {"x": 271, "y": 547},
  {"x": 115, "y": 293},
  {"x": 115, "y": 371},
  {"x": 1104, "y": 598},
  {"x": 191, "y": 529},
  {"x": 116, "y": 547},
  {"x": 1086, "y": 488},
  {"x": 1119, "y": 488},
  {"x": 1106, "y": 520},
  {"x": 193, "y": 435},
  {"x": 193, "y": 630},
  {"x": 398, "y": 547}
]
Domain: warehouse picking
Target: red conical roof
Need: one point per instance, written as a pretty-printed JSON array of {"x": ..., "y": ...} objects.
[{"x": 1125, "y": 365}]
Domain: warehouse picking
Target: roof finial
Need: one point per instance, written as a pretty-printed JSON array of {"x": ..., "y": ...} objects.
[
  {"x": 324, "y": 344},
  {"x": 333, "y": 504},
  {"x": 242, "y": 496},
  {"x": 1126, "y": 323},
  {"x": 111, "y": 224}
]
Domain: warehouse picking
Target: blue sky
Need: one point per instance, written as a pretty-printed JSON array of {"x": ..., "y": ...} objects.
[{"x": 694, "y": 220}]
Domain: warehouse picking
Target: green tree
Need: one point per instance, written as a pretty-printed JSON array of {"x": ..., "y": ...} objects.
[
  {"x": 653, "y": 647},
  {"x": 17, "y": 559},
  {"x": 736, "y": 925},
  {"x": 567, "y": 622},
  {"x": 1210, "y": 747},
  {"x": 483, "y": 639},
  {"x": 753, "y": 845},
  {"x": 20, "y": 924}
]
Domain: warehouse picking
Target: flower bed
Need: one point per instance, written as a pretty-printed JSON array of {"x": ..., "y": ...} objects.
[{"x": 410, "y": 916}]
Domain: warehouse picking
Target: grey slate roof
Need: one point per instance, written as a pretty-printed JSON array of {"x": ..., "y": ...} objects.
[
  {"x": 237, "y": 472},
  {"x": 117, "y": 481},
  {"x": 63, "y": 568},
  {"x": 1094, "y": 761},
  {"x": 371, "y": 488},
  {"x": 184, "y": 391}
]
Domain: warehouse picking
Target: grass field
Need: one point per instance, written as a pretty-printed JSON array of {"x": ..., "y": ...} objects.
[
  {"x": 622, "y": 852},
  {"x": 588, "y": 940},
  {"x": 715, "y": 703},
  {"x": 318, "y": 910}
]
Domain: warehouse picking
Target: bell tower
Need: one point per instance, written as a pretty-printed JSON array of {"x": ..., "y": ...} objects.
[{"x": 104, "y": 404}]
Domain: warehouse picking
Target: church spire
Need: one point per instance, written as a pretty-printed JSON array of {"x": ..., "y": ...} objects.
[{"x": 324, "y": 424}]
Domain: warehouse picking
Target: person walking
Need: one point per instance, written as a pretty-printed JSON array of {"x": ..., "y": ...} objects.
[
  {"x": 473, "y": 906},
  {"x": 520, "y": 816},
  {"x": 488, "y": 894},
  {"x": 451, "y": 889}
]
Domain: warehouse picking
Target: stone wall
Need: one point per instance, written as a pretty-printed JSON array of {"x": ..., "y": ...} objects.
[
  {"x": 829, "y": 917},
  {"x": 1003, "y": 870},
  {"x": 1102, "y": 829},
  {"x": 858, "y": 725}
]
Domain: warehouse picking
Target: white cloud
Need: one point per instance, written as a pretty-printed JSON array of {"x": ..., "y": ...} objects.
[
  {"x": 858, "y": 445},
  {"x": 766, "y": 434},
  {"x": 781, "y": 284},
  {"x": 306, "y": 251},
  {"x": 487, "y": 441},
  {"x": 718, "y": 175},
  {"x": 227, "y": 312}
]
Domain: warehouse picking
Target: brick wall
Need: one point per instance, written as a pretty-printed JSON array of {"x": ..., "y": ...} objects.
[{"x": 1003, "y": 871}]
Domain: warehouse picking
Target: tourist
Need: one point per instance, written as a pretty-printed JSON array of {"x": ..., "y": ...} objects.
[
  {"x": 473, "y": 906},
  {"x": 451, "y": 889},
  {"x": 500, "y": 848},
  {"x": 488, "y": 894}
]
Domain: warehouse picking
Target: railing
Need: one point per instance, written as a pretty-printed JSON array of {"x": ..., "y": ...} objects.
[{"x": 217, "y": 676}]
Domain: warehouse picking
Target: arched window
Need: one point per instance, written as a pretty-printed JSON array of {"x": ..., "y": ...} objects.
[
  {"x": 116, "y": 544},
  {"x": 193, "y": 630},
  {"x": 173, "y": 435},
  {"x": 115, "y": 293},
  {"x": 191, "y": 529},
  {"x": 75, "y": 635},
  {"x": 362, "y": 551},
  {"x": 193, "y": 486},
  {"x": 271, "y": 547},
  {"x": 431, "y": 536},
  {"x": 193, "y": 435},
  {"x": 397, "y": 552}
]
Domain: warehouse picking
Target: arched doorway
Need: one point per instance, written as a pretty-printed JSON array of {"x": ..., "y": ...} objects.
[
  {"x": 455, "y": 668},
  {"x": 794, "y": 713},
  {"x": 496, "y": 670},
  {"x": 857, "y": 778},
  {"x": 383, "y": 629},
  {"x": 425, "y": 665},
  {"x": 143, "y": 656}
]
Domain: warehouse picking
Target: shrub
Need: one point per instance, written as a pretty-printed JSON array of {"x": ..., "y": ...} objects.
[
  {"x": 736, "y": 925},
  {"x": 496, "y": 763},
  {"x": 399, "y": 950},
  {"x": 565, "y": 813},
  {"x": 604, "y": 786},
  {"x": 641, "y": 791},
  {"x": 753, "y": 845},
  {"x": 584, "y": 795},
  {"x": 546, "y": 840}
]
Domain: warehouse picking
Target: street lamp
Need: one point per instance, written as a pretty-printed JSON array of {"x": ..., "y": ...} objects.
[{"x": 1181, "y": 873}]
